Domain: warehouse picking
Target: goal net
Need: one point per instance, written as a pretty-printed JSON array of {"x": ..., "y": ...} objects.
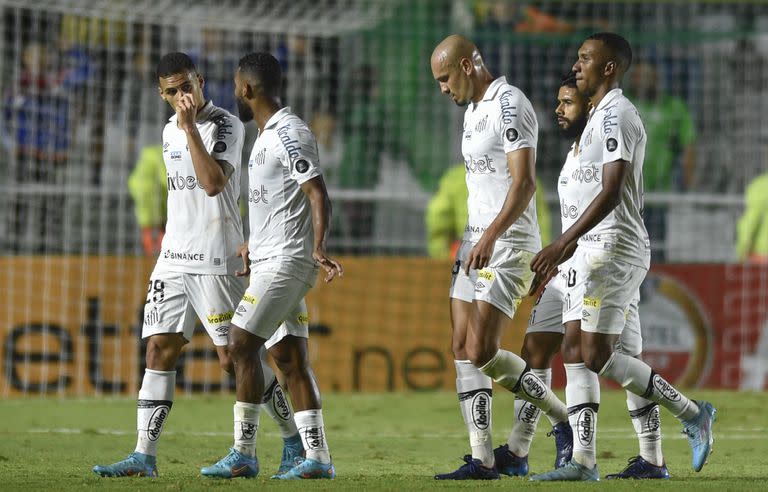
[{"x": 83, "y": 195}]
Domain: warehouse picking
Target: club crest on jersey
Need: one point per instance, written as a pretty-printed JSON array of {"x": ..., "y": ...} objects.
[
  {"x": 611, "y": 144},
  {"x": 511, "y": 134},
  {"x": 259, "y": 160},
  {"x": 482, "y": 124}
]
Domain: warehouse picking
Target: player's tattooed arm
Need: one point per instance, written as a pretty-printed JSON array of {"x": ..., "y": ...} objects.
[
  {"x": 317, "y": 195},
  {"x": 614, "y": 175},
  {"x": 210, "y": 173}
]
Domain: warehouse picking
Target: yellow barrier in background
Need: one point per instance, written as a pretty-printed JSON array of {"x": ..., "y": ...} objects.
[{"x": 71, "y": 325}]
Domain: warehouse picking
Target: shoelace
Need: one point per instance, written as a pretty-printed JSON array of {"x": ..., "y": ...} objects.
[
  {"x": 695, "y": 437},
  {"x": 631, "y": 462}
]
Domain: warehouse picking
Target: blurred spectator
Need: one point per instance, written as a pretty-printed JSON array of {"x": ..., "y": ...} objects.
[
  {"x": 752, "y": 229},
  {"x": 148, "y": 187},
  {"x": 37, "y": 134},
  {"x": 670, "y": 157},
  {"x": 329, "y": 145},
  {"x": 518, "y": 17},
  {"x": 669, "y": 152},
  {"x": 447, "y": 214},
  {"x": 365, "y": 132}
]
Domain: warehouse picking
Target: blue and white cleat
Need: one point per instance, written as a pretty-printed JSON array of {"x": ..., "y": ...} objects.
[
  {"x": 472, "y": 469},
  {"x": 135, "y": 465},
  {"x": 699, "y": 432},
  {"x": 308, "y": 469},
  {"x": 293, "y": 454},
  {"x": 510, "y": 464},
  {"x": 571, "y": 472},
  {"x": 640, "y": 469},
  {"x": 233, "y": 465},
  {"x": 563, "y": 443}
]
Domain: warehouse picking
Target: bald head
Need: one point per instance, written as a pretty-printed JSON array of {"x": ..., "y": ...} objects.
[
  {"x": 452, "y": 49},
  {"x": 459, "y": 70}
]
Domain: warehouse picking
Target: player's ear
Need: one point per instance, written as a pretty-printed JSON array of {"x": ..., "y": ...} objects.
[
  {"x": 466, "y": 66},
  {"x": 610, "y": 67}
]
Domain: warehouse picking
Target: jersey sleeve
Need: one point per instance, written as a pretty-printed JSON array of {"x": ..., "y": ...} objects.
[
  {"x": 228, "y": 142},
  {"x": 620, "y": 134},
  {"x": 517, "y": 123},
  {"x": 299, "y": 153}
]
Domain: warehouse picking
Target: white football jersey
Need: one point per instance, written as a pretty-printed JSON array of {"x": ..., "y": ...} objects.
[
  {"x": 568, "y": 190},
  {"x": 283, "y": 157},
  {"x": 614, "y": 131},
  {"x": 502, "y": 122},
  {"x": 203, "y": 232}
]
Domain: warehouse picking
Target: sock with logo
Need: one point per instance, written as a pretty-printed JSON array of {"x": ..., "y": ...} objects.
[
  {"x": 153, "y": 407},
  {"x": 312, "y": 432},
  {"x": 636, "y": 376},
  {"x": 246, "y": 426},
  {"x": 277, "y": 406},
  {"x": 647, "y": 422},
  {"x": 582, "y": 393},
  {"x": 510, "y": 371},
  {"x": 475, "y": 399},
  {"x": 526, "y": 418}
]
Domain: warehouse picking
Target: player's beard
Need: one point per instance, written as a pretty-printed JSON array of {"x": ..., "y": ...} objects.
[
  {"x": 574, "y": 129},
  {"x": 243, "y": 110}
]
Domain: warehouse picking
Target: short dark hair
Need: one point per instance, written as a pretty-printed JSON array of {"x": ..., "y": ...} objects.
[
  {"x": 618, "y": 46},
  {"x": 173, "y": 63},
  {"x": 568, "y": 80},
  {"x": 266, "y": 69}
]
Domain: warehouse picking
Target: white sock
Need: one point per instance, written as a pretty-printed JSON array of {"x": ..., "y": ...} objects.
[
  {"x": 513, "y": 373},
  {"x": 526, "y": 419},
  {"x": 475, "y": 400},
  {"x": 647, "y": 422},
  {"x": 279, "y": 409},
  {"x": 312, "y": 432},
  {"x": 246, "y": 426},
  {"x": 636, "y": 376},
  {"x": 582, "y": 393},
  {"x": 153, "y": 407}
]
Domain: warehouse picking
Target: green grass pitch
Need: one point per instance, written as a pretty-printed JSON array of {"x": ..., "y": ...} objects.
[{"x": 378, "y": 442}]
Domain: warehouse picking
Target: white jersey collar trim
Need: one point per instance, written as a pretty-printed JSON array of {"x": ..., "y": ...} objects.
[
  {"x": 492, "y": 89},
  {"x": 608, "y": 97},
  {"x": 275, "y": 118}
]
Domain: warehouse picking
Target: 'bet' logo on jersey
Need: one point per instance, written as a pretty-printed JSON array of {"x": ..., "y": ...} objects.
[
  {"x": 181, "y": 182},
  {"x": 258, "y": 195},
  {"x": 484, "y": 165}
]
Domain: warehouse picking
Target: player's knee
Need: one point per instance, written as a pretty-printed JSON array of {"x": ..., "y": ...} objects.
[
  {"x": 480, "y": 353},
  {"x": 226, "y": 364},
  {"x": 596, "y": 359},
  {"x": 571, "y": 354},
  {"x": 161, "y": 356},
  {"x": 296, "y": 366},
  {"x": 458, "y": 348}
]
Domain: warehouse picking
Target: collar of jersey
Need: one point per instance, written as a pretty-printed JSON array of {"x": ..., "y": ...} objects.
[
  {"x": 201, "y": 115},
  {"x": 492, "y": 89},
  {"x": 272, "y": 121},
  {"x": 608, "y": 97}
]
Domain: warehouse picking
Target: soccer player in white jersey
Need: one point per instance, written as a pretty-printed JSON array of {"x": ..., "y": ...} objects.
[
  {"x": 613, "y": 252},
  {"x": 195, "y": 273},
  {"x": 557, "y": 313},
  {"x": 289, "y": 217},
  {"x": 491, "y": 273}
]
